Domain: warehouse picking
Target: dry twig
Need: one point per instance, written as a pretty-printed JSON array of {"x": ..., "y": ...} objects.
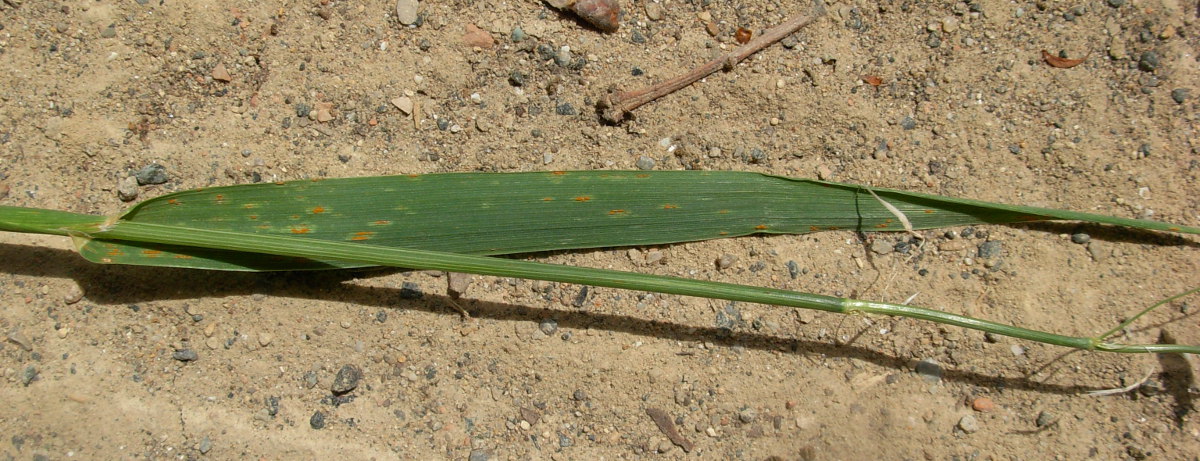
[{"x": 615, "y": 105}]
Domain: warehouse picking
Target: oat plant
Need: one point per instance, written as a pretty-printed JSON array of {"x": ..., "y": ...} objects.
[{"x": 460, "y": 222}]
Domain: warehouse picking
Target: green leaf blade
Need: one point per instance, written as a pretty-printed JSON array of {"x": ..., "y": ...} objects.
[{"x": 505, "y": 213}]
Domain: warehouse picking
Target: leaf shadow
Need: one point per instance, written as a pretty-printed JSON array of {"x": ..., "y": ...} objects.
[
  {"x": 123, "y": 285},
  {"x": 1110, "y": 233}
]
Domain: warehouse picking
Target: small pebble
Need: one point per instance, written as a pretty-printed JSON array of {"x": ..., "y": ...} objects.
[
  {"x": 476, "y": 37},
  {"x": 404, "y": 103},
  {"x": 968, "y": 424},
  {"x": 109, "y": 32},
  {"x": 793, "y": 269},
  {"x": 151, "y": 174},
  {"x": 908, "y": 123},
  {"x": 654, "y": 11},
  {"x": 16, "y": 336},
  {"x": 74, "y": 293},
  {"x": 346, "y": 380},
  {"x": 645, "y": 163},
  {"x": 517, "y": 34},
  {"x": 264, "y": 339},
  {"x": 221, "y": 74},
  {"x": 579, "y": 395},
  {"x": 4, "y": 188},
  {"x": 317, "y": 421},
  {"x": 1115, "y": 3},
  {"x": 1149, "y": 61},
  {"x": 548, "y": 326},
  {"x": 747, "y": 415},
  {"x": 983, "y": 404},
  {"x": 1180, "y": 95},
  {"x": 988, "y": 250},
  {"x": 205, "y": 445},
  {"x": 1080, "y": 238},
  {"x": 726, "y": 261},
  {"x": 185, "y": 355},
  {"x": 29, "y": 375},
  {"x": 127, "y": 189},
  {"x": 929, "y": 370},
  {"x": 882, "y": 247},
  {"x": 565, "y": 109},
  {"x": 406, "y": 12},
  {"x": 516, "y": 78},
  {"x": 479, "y": 454},
  {"x": 1044, "y": 419}
]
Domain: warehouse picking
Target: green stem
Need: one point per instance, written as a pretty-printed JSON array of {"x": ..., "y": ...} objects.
[
  {"x": 431, "y": 260},
  {"x": 1143, "y": 312}
]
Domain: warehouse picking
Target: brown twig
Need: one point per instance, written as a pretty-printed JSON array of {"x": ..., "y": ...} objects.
[{"x": 616, "y": 105}]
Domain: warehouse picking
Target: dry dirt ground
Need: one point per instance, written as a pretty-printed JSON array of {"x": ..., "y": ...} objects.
[{"x": 937, "y": 96}]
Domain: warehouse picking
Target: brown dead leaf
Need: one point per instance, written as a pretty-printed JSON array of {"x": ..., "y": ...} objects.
[
  {"x": 872, "y": 80},
  {"x": 1061, "y": 63}
]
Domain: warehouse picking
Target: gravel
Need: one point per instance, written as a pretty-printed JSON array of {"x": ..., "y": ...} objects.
[
  {"x": 1149, "y": 61},
  {"x": 645, "y": 163},
  {"x": 346, "y": 380},
  {"x": 151, "y": 174},
  {"x": 185, "y": 355},
  {"x": 406, "y": 11},
  {"x": 317, "y": 421},
  {"x": 1080, "y": 238},
  {"x": 1180, "y": 95},
  {"x": 929, "y": 370},
  {"x": 726, "y": 261},
  {"x": 968, "y": 424},
  {"x": 988, "y": 250}
]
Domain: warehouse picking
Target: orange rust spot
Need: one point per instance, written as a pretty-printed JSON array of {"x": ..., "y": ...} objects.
[
  {"x": 362, "y": 235},
  {"x": 301, "y": 230},
  {"x": 220, "y": 199},
  {"x": 183, "y": 257},
  {"x": 295, "y": 216},
  {"x": 670, "y": 206},
  {"x": 722, "y": 233},
  {"x": 381, "y": 222},
  {"x": 173, "y": 201},
  {"x": 151, "y": 253},
  {"x": 115, "y": 252},
  {"x": 279, "y": 183},
  {"x": 723, "y": 211},
  {"x": 558, "y": 173},
  {"x": 548, "y": 199},
  {"x": 1173, "y": 229},
  {"x": 250, "y": 206},
  {"x": 582, "y": 198},
  {"x": 889, "y": 220},
  {"x": 813, "y": 228},
  {"x": 643, "y": 175},
  {"x": 262, "y": 227},
  {"x": 761, "y": 227},
  {"x": 612, "y": 212},
  {"x": 881, "y": 226},
  {"x": 253, "y": 217},
  {"x": 833, "y": 228},
  {"x": 413, "y": 175},
  {"x": 318, "y": 210},
  {"x": 926, "y": 212}
]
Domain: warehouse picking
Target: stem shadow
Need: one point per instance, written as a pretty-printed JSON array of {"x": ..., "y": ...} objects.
[{"x": 122, "y": 285}]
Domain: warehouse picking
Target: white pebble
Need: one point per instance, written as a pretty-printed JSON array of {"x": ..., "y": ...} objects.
[{"x": 406, "y": 11}]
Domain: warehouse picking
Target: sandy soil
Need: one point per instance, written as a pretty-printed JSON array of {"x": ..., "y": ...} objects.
[{"x": 93, "y": 91}]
